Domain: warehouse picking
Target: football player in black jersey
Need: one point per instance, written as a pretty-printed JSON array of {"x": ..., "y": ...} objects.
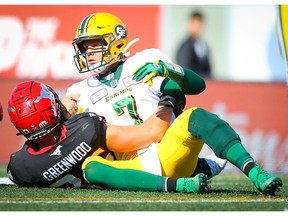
[
  {"x": 35, "y": 110},
  {"x": 57, "y": 146}
]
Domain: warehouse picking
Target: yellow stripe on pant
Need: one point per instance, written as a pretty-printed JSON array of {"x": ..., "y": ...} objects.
[{"x": 178, "y": 151}]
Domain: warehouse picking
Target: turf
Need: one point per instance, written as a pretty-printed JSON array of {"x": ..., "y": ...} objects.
[{"x": 231, "y": 192}]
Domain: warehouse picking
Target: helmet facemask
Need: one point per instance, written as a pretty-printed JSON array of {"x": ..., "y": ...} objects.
[
  {"x": 109, "y": 53},
  {"x": 112, "y": 34}
]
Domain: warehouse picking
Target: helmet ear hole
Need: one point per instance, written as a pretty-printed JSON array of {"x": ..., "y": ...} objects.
[{"x": 120, "y": 45}]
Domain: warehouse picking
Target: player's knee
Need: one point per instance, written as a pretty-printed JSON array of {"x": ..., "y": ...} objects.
[
  {"x": 92, "y": 173},
  {"x": 215, "y": 132}
]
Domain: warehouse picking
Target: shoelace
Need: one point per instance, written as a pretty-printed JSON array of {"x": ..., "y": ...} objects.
[{"x": 259, "y": 168}]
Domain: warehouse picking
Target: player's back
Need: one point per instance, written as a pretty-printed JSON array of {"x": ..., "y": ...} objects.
[{"x": 60, "y": 164}]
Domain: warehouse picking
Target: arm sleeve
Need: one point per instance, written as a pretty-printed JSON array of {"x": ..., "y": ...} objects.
[{"x": 190, "y": 85}]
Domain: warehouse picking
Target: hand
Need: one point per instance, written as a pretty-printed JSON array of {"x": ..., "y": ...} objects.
[
  {"x": 150, "y": 70},
  {"x": 176, "y": 102},
  {"x": 70, "y": 103}
]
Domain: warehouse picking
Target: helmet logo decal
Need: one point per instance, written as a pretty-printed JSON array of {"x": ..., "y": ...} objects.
[
  {"x": 44, "y": 93},
  {"x": 120, "y": 31},
  {"x": 11, "y": 109}
]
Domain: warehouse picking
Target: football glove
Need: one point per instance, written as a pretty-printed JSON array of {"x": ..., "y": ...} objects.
[
  {"x": 159, "y": 68},
  {"x": 177, "y": 103}
]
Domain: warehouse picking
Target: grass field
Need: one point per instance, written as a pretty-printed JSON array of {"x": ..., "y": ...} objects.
[{"x": 231, "y": 192}]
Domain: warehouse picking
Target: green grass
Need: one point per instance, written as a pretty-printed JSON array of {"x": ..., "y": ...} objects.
[{"x": 231, "y": 192}]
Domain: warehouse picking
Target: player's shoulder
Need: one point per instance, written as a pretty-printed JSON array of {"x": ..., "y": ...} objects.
[
  {"x": 21, "y": 151},
  {"x": 81, "y": 118}
]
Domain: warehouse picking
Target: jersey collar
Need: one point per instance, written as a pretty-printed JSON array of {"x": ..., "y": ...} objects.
[
  {"x": 30, "y": 144},
  {"x": 111, "y": 78}
]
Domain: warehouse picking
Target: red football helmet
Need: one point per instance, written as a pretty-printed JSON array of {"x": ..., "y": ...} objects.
[{"x": 34, "y": 109}]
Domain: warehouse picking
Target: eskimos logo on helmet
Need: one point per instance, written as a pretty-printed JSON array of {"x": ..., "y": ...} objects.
[{"x": 121, "y": 31}]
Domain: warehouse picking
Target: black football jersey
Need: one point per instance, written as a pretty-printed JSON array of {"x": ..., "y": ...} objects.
[{"x": 60, "y": 166}]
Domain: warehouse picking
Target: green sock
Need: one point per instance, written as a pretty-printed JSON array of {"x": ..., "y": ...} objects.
[
  {"x": 238, "y": 156},
  {"x": 123, "y": 179}
]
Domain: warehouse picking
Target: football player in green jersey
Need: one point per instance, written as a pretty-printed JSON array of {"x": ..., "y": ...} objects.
[{"x": 102, "y": 49}]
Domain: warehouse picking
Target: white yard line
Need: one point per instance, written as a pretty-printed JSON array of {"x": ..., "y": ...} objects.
[{"x": 142, "y": 201}]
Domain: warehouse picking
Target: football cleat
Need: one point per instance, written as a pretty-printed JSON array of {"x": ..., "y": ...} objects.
[
  {"x": 196, "y": 184},
  {"x": 215, "y": 163},
  {"x": 264, "y": 182}
]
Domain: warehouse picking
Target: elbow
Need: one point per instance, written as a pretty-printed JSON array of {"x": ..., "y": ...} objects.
[
  {"x": 202, "y": 86},
  {"x": 199, "y": 87}
]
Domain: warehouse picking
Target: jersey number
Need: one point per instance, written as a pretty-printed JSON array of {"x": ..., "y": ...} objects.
[{"x": 130, "y": 104}]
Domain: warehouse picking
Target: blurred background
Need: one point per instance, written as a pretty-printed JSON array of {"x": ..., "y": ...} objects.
[{"x": 247, "y": 83}]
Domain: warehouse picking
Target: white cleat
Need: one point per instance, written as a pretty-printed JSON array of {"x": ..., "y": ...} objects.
[{"x": 215, "y": 163}]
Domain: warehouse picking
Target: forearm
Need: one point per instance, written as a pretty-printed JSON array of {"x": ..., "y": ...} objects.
[
  {"x": 131, "y": 138},
  {"x": 158, "y": 123},
  {"x": 191, "y": 84},
  {"x": 182, "y": 79}
]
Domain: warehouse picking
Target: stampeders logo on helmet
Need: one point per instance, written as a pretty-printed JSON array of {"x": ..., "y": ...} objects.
[{"x": 121, "y": 31}]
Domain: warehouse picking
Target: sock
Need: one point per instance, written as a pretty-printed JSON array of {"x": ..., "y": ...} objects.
[
  {"x": 123, "y": 179},
  {"x": 238, "y": 156},
  {"x": 247, "y": 167},
  {"x": 202, "y": 167},
  {"x": 171, "y": 184}
]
